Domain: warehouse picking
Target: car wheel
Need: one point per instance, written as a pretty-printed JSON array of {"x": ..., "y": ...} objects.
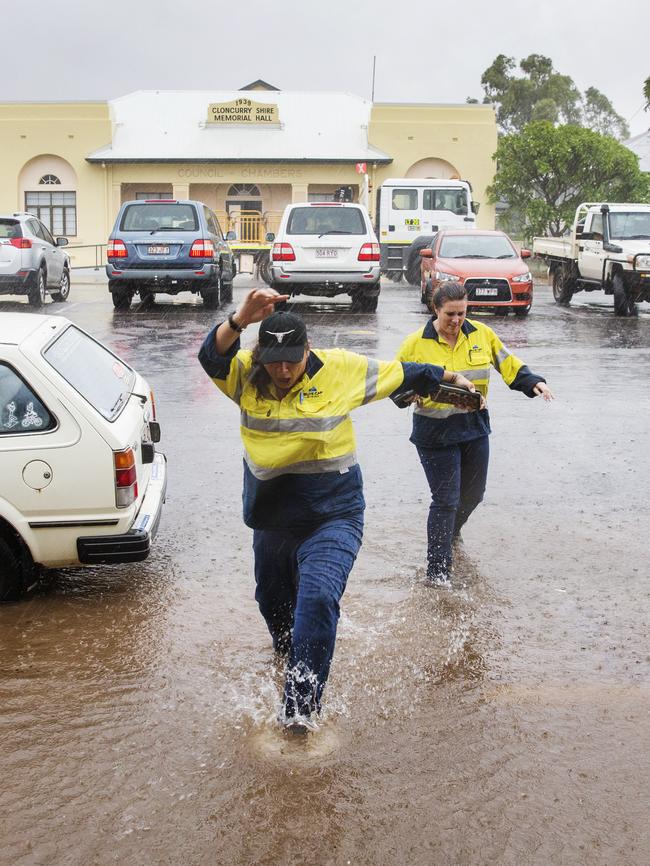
[
  {"x": 146, "y": 297},
  {"x": 36, "y": 294},
  {"x": 521, "y": 311},
  {"x": 427, "y": 295},
  {"x": 395, "y": 276},
  {"x": 211, "y": 292},
  {"x": 122, "y": 299},
  {"x": 562, "y": 287},
  {"x": 265, "y": 269},
  {"x": 226, "y": 292},
  {"x": 623, "y": 304},
  {"x": 64, "y": 287},
  {"x": 12, "y": 577},
  {"x": 365, "y": 303}
]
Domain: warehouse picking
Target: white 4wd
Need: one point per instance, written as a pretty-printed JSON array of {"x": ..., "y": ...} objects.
[
  {"x": 327, "y": 249},
  {"x": 80, "y": 479}
]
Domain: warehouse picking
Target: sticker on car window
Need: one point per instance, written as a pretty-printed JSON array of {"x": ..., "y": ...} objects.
[
  {"x": 12, "y": 418},
  {"x": 31, "y": 418}
]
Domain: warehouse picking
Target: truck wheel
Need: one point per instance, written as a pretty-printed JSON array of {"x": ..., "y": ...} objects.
[
  {"x": 413, "y": 270},
  {"x": 12, "y": 578},
  {"x": 394, "y": 276},
  {"x": 562, "y": 288},
  {"x": 37, "y": 292},
  {"x": 623, "y": 304}
]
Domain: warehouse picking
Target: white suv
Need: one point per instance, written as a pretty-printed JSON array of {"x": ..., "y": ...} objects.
[
  {"x": 80, "y": 480},
  {"x": 32, "y": 262},
  {"x": 327, "y": 248}
]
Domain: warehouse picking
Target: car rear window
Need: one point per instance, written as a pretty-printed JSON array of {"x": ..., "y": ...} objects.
[
  {"x": 20, "y": 409},
  {"x": 97, "y": 374},
  {"x": 159, "y": 216},
  {"x": 476, "y": 247},
  {"x": 326, "y": 220},
  {"x": 10, "y": 229}
]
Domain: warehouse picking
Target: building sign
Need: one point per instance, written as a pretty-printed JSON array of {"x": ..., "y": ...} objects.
[{"x": 244, "y": 112}]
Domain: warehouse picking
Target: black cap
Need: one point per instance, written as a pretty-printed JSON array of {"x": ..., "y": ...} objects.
[{"x": 282, "y": 337}]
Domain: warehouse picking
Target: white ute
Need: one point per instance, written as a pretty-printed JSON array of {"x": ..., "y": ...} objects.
[
  {"x": 607, "y": 250},
  {"x": 81, "y": 482}
]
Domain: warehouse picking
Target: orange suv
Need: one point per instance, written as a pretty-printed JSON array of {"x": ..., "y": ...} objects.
[{"x": 487, "y": 263}]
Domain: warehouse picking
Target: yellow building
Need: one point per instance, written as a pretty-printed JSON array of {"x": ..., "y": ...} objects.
[{"x": 245, "y": 153}]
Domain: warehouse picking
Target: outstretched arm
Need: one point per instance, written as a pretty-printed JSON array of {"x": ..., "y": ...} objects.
[{"x": 257, "y": 305}]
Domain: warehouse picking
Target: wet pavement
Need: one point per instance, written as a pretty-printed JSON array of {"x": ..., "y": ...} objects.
[{"x": 503, "y": 721}]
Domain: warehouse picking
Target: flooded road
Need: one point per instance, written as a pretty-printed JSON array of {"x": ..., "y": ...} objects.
[{"x": 504, "y": 721}]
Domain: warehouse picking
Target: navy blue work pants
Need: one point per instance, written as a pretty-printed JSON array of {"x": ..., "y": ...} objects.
[
  {"x": 300, "y": 579},
  {"x": 457, "y": 475}
]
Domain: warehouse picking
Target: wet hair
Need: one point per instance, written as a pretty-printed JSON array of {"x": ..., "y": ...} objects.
[
  {"x": 448, "y": 292},
  {"x": 258, "y": 377}
]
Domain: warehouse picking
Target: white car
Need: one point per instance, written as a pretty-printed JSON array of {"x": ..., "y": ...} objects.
[
  {"x": 327, "y": 249},
  {"x": 32, "y": 262},
  {"x": 81, "y": 482}
]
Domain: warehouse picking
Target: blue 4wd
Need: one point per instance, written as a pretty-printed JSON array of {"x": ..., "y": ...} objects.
[{"x": 168, "y": 246}]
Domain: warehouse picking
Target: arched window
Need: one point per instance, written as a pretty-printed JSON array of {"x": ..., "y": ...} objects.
[
  {"x": 49, "y": 179},
  {"x": 245, "y": 190}
]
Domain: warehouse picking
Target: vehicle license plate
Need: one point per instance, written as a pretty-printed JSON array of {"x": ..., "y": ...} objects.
[
  {"x": 487, "y": 292},
  {"x": 326, "y": 253},
  {"x": 158, "y": 251}
]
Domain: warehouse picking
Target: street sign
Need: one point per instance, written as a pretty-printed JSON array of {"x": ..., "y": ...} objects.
[{"x": 361, "y": 168}]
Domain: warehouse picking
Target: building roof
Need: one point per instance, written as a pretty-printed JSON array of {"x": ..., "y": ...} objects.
[
  {"x": 640, "y": 144},
  {"x": 171, "y": 126},
  {"x": 259, "y": 84}
]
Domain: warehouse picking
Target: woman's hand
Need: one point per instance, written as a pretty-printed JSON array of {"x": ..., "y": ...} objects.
[
  {"x": 257, "y": 305},
  {"x": 541, "y": 389},
  {"x": 451, "y": 378}
]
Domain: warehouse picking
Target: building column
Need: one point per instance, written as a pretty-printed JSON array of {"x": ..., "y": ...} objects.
[
  {"x": 299, "y": 192},
  {"x": 181, "y": 190},
  {"x": 116, "y": 201}
]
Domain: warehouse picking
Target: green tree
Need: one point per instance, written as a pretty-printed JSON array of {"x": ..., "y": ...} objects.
[
  {"x": 540, "y": 93},
  {"x": 544, "y": 172},
  {"x": 534, "y": 90},
  {"x": 599, "y": 115}
]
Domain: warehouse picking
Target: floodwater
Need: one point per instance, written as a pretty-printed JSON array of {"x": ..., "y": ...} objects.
[{"x": 504, "y": 720}]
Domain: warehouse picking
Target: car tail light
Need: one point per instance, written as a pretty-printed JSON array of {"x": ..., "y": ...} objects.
[
  {"x": 163, "y": 200},
  {"x": 283, "y": 253},
  {"x": 152, "y": 400},
  {"x": 126, "y": 478},
  {"x": 116, "y": 250},
  {"x": 202, "y": 248},
  {"x": 369, "y": 253},
  {"x": 21, "y": 243},
  {"x": 326, "y": 204}
]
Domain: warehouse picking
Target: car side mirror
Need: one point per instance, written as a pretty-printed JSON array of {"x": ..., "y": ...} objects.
[
  {"x": 426, "y": 253},
  {"x": 475, "y": 207},
  {"x": 525, "y": 254},
  {"x": 270, "y": 237},
  {"x": 231, "y": 236},
  {"x": 62, "y": 242}
]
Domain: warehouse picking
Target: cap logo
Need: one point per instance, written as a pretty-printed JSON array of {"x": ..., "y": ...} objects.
[{"x": 280, "y": 335}]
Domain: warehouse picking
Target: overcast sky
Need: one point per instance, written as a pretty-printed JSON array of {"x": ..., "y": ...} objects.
[{"x": 426, "y": 51}]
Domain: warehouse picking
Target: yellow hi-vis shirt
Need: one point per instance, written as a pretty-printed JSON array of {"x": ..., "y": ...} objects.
[
  {"x": 477, "y": 350},
  {"x": 310, "y": 429}
]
